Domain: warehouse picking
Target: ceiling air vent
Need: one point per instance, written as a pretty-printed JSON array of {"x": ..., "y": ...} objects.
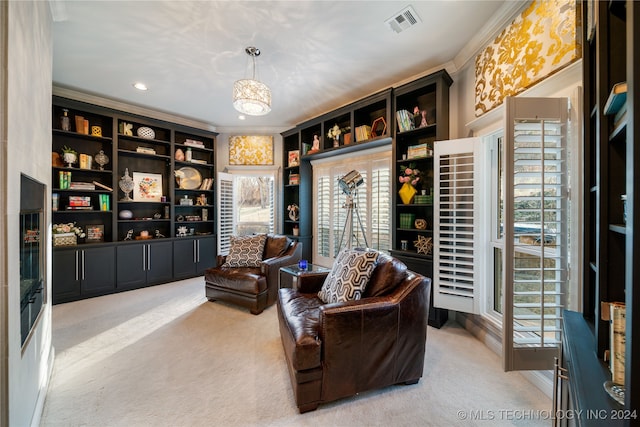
[{"x": 404, "y": 19}]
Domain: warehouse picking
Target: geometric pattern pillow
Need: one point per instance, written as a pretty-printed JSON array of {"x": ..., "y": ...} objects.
[
  {"x": 349, "y": 276},
  {"x": 246, "y": 251}
]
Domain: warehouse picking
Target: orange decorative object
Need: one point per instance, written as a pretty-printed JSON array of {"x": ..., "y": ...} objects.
[{"x": 378, "y": 127}]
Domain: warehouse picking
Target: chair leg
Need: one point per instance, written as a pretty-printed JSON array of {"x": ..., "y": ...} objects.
[
  {"x": 308, "y": 407},
  {"x": 256, "y": 311}
]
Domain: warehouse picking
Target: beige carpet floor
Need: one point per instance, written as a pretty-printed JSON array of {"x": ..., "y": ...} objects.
[{"x": 165, "y": 356}]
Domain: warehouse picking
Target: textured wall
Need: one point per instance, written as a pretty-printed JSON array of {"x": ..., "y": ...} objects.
[{"x": 29, "y": 152}]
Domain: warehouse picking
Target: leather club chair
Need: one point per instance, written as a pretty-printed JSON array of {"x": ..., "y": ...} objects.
[
  {"x": 340, "y": 349},
  {"x": 255, "y": 288}
]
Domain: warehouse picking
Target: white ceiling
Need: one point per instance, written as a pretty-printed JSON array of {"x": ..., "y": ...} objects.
[{"x": 316, "y": 55}]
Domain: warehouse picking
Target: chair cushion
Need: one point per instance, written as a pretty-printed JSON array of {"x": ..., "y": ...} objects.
[
  {"x": 349, "y": 275},
  {"x": 276, "y": 245},
  {"x": 246, "y": 251},
  {"x": 387, "y": 275},
  {"x": 245, "y": 280}
]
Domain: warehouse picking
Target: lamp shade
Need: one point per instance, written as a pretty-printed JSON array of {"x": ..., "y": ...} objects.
[
  {"x": 350, "y": 181},
  {"x": 251, "y": 97}
]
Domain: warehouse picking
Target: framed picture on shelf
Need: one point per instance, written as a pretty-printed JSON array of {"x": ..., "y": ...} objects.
[
  {"x": 294, "y": 158},
  {"x": 95, "y": 233},
  {"x": 147, "y": 187}
]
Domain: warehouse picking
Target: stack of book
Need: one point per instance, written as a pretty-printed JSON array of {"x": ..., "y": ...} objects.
[
  {"x": 405, "y": 120},
  {"x": 206, "y": 184},
  {"x": 363, "y": 133},
  {"x": 79, "y": 185},
  {"x": 79, "y": 203},
  {"x": 194, "y": 143}
]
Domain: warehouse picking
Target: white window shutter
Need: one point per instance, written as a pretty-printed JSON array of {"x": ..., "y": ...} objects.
[
  {"x": 535, "y": 266},
  {"x": 225, "y": 211},
  {"x": 455, "y": 225}
]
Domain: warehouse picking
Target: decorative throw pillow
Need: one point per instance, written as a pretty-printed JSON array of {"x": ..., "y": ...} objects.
[
  {"x": 349, "y": 276},
  {"x": 246, "y": 251}
]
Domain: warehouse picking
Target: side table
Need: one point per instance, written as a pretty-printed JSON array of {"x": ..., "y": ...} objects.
[{"x": 292, "y": 275}]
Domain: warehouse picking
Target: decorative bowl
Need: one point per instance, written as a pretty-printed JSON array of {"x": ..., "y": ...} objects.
[
  {"x": 125, "y": 214},
  {"x": 146, "y": 132}
]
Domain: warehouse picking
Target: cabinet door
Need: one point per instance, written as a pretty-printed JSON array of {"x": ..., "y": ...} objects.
[
  {"x": 131, "y": 266},
  {"x": 159, "y": 262},
  {"x": 184, "y": 258},
  {"x": 206, "y": 256},
  {"x": 96, "y": 270},
  {"x": 66, "y": 279}
]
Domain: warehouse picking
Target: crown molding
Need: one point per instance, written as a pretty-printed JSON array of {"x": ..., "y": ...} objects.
[{"x": 101, "y": 101}]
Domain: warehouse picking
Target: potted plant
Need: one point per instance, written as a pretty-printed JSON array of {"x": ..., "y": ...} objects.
[{"x": 69, "y": 155}]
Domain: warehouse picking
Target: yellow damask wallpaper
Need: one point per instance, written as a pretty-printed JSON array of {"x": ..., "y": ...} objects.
[
  {"x": 251, "y": 150},
  {"x": 538, "y": 43}
]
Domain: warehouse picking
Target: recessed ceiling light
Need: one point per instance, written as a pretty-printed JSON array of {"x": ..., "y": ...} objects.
[
  {"x": 140, "y": 86},
  {"x": 241, "y": 117}
]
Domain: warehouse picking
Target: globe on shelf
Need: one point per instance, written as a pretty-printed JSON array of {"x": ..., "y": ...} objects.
[
  {"x": 101, "y": 159},
  {"x": 126, "y": 185}
]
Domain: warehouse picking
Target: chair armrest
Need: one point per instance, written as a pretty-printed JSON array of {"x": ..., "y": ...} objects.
[{"x": 270, "y": 267}]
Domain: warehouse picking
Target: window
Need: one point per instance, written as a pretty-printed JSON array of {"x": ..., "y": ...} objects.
[
  {"x": 336, "y": 224},
  {"x": 246, "y": 201}
]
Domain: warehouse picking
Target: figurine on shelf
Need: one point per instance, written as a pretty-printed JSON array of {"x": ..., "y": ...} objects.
[
  {"x": 315, "y": 147},
  {"x": 158, "y": 234},
  {"x": 129, "y": 235}
]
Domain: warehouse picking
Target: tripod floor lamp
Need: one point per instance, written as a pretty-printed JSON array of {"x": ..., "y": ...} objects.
[{"x": 349, "y": 185}]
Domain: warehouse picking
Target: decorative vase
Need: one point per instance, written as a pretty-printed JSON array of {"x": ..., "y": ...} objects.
[
  {"x": 126, "y": 185},
  {"x": 70, "y": 159},
  {"x": 101, "y": 159},
  {"x": 406, "y": 192}
]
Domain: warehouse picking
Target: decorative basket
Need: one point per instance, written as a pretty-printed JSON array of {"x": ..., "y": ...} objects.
[
  {"x": 146, "y": 132},
  {"x": 64, "y": 239},
  {"x": 406, "y": 220}
]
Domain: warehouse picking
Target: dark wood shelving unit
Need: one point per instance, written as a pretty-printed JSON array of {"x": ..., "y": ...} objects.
[
  {"x": 87, "y": 270},
  {"x": 611, "y": 167}
]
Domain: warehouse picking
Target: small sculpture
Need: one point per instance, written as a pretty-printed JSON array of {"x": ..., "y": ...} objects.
[
  {"x": 316, "y": 145},
  {"x": 179, "y": 155},
  {"x": 127, "y": 129},
  {"x": 182, "y": 231},
  {"x": 129, "y": 235},
  {"x": 159, "y": 234}
]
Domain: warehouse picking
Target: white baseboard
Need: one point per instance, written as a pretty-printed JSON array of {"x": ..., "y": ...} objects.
[{"x": 42, "y": 394}]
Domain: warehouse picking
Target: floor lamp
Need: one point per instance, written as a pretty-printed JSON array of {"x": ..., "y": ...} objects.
[{"x": 349, "y": 184}]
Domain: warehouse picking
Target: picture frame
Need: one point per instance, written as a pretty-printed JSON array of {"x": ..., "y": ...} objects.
[
  {"x": 147, "y": 187},
  {"x": 95, "y": 233},
  {"x": 294, "y": 158}
]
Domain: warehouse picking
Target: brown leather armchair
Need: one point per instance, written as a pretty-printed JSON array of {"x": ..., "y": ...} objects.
[
  {"x": 255, "y": 288},
  {"x": 341, "y": 349}
]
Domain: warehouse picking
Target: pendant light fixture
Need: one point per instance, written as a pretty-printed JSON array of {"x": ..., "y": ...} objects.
[{"x": 250, "y": 96}]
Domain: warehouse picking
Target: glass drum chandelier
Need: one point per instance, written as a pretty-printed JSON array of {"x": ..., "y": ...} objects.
[{"x": 250, "y": 96}]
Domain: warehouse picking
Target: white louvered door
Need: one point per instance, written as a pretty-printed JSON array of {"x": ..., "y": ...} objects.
[
  {"x": 536, "y": 231},
  {"x": 225, "y": 211},
  {"x": 455, "y": 225}
]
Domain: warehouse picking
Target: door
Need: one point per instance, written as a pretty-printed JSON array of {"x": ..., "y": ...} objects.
[
  {"x": 66, "y": 279},
  {"x": 206, "y": 257},
  {"x": 131, "y": 266},
  {"x": 96, "y": 270},
  {"x": 184, "y": 254},
  {"x": 159, "y": 262}
]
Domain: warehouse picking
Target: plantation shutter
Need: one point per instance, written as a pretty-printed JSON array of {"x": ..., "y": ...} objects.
[
  {"x": 535, "y": 266},
  {"x": 225, "y": 211},
  {"x": 455, "y": 229}
]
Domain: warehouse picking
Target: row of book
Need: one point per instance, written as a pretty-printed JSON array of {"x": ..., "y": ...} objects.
[
  {"x": 206, "y": 184},
  {"x": 405, "y": 120},
  {"x": 363, "y": 133},
  {"x": 194, "y": 143}
]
